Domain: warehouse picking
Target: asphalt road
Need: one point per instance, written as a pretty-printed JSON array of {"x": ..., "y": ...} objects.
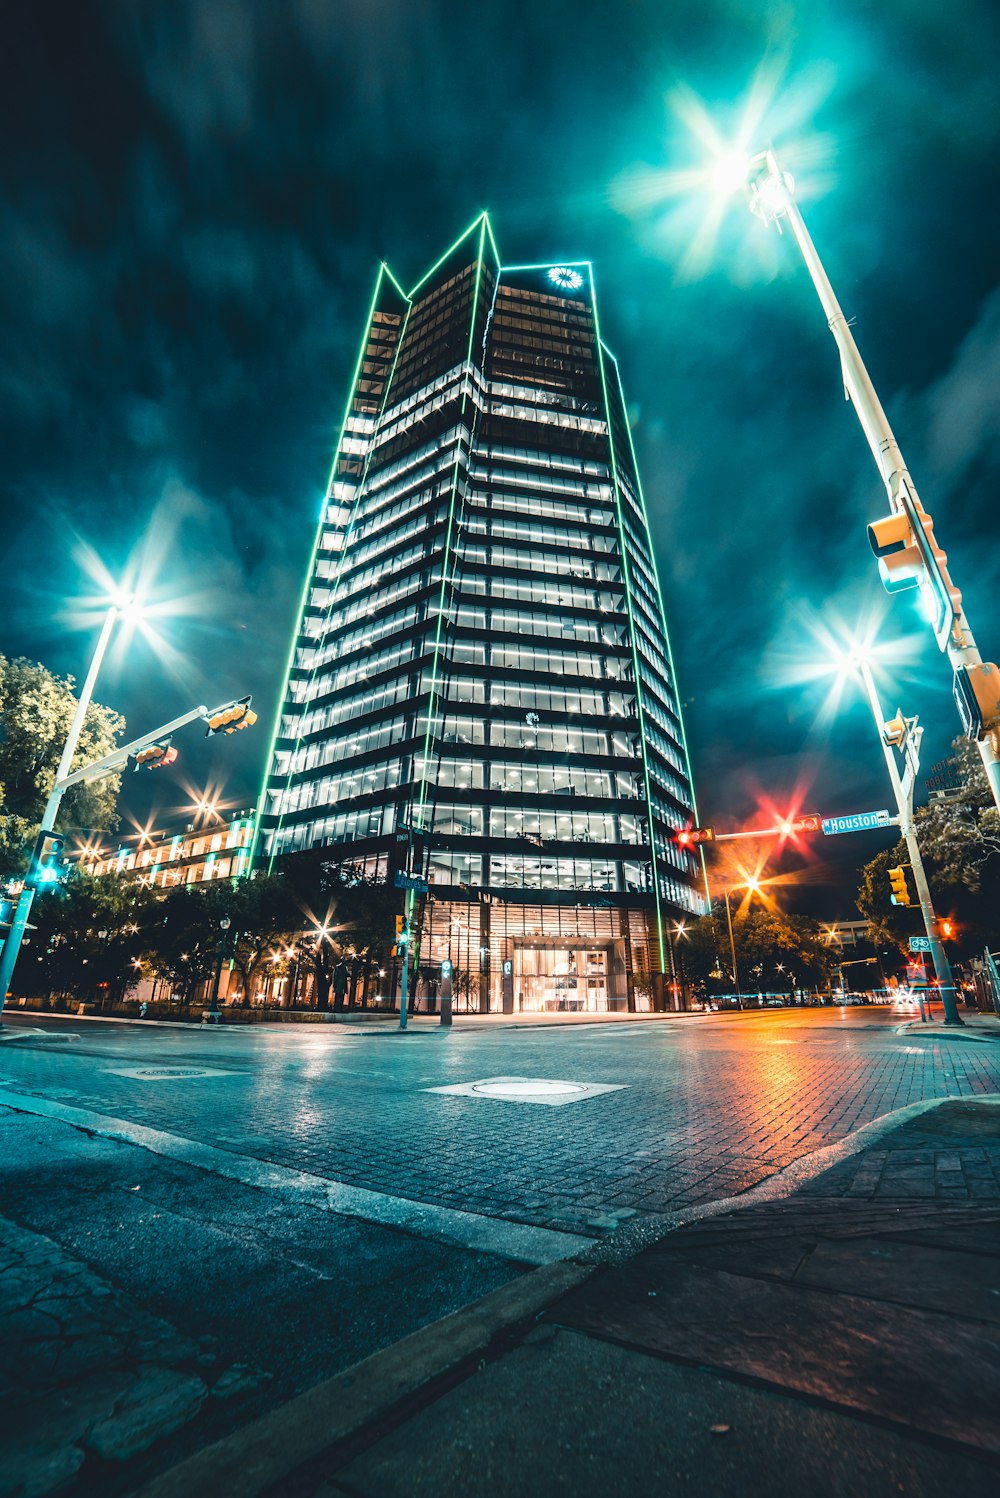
[
  {"x": 293, "y": 1199},
  {"x": 700, "y": 1108}
]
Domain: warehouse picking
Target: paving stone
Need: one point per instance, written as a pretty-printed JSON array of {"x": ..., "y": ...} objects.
[
  {"x": 159, "y": 1402},
  {"x": 36, "y": 1471}
]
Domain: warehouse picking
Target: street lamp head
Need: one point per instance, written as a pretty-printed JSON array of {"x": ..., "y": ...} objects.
[
  {"x": 225, "y": 923},
  {"x": 730, "y": 173},
  {"x": 130, "y": 608},
  {"x": 771, "y": 189}
]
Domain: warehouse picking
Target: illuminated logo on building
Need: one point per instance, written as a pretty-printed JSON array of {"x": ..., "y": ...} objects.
[{"x": 565, "y": 277}]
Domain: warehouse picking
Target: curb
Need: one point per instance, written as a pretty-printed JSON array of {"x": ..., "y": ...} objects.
[
  {"x": 937, "y": 1031},
  {"x": 251, "y": 1460}
]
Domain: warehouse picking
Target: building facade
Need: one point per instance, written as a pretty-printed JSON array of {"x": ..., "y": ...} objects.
[
  {"x": 480, "y": 692},
  {"x": 163, "y": 859}
]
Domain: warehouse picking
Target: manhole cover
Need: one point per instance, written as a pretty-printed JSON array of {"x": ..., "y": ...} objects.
[
  {"x": 526, "y": 1089},
  {"x": 548, "y": 1090},
  {"x": 171, "y": 1071},
  {"x": 166, "y": 1073}
]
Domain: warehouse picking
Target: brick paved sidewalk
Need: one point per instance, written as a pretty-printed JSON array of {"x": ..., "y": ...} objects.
[{"x": 845, "y": 1339}]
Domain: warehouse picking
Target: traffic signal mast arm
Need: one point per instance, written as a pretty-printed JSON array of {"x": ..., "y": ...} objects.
[
  {"x": 118, "y": 758},
  {"x": 100, "y": 767},
  {"x": 904, "y": 542}
]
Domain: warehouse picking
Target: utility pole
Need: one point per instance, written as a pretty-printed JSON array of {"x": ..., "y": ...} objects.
[
  {"x": 904, "y": 541},
  {"x": 904, "y": 734},
  {"x": 732, "y": 950},
  {"x": 19, "y": 919}
]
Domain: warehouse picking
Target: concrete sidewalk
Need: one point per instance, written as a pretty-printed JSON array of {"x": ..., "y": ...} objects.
[{"x": 844, "y": 1339}]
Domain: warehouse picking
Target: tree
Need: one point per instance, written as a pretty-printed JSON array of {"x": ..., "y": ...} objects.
[
  {"x": 88, "y": 939},
  {"x": 357, "y": 911},
  {"x": 888, "y": 924},
  {"x": 788, "y": 951},
  {"x": 959, "y": 839},
  {"x": 184, "y": 933},
  {"x": 36, "y": 709},
  {"x": 266, "y": 918},
  {"x": 960, "y": 836}
]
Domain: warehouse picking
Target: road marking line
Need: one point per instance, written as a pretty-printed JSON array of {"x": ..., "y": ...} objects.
[{"x": 489, "y": 1235}]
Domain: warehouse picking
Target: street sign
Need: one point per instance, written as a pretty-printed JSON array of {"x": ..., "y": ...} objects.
[
  {"x": 409, "y": 881},
  {"x": 857, "y": 821},
  {"x": 446, "y": 968},
  {"x": 920, "y": 944}
]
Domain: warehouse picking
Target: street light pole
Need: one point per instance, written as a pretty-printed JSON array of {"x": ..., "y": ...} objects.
[
  {"x": 902, "y": 789},
  {"x": 732, "y": 949},
  {"x": 212, "y": 1013},
  {"x": 771, "y": 197},
  {"x": 19, "y": 919}
]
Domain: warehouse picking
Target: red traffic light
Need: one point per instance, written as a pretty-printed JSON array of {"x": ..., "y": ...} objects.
[{"x": 686, "y": 837}]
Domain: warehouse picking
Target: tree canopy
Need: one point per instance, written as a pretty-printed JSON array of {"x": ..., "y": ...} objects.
[
  {"x": 959, "y": 837},
  {"x": 36, "y": 709},
  {"x": 774, "y": 952}
]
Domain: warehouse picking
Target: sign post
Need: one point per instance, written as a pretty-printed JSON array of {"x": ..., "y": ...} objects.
[{"x": 446, "y": 991}]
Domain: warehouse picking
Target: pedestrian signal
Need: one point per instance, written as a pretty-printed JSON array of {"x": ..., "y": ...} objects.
[{"x": 47, "y": 867}]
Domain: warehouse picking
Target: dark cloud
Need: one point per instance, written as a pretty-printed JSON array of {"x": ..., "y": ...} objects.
[{"x": 195, "y": 196}]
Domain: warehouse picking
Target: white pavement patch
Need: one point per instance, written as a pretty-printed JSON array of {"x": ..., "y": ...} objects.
[
  {"x": 551, "y": 1093},
  {"x": 472, "y": 1230}
]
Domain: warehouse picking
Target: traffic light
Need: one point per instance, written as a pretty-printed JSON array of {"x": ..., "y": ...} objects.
[
  {"x": 899, "y": 887},
  {"x": 229, "y": 719},
  {"x": 402, "y": 933},
  {"x": 947, "y": 929},
  {"x": 895, "y": 731},
  {"x": 977, "y": 697},
  {"x": 47, "y": 867},
  {"x": 154, "y": 756},
  {"x": 686, "y": 837},
  {"x": 900, "y": 564},
  {"x": 909, "y": 560}
]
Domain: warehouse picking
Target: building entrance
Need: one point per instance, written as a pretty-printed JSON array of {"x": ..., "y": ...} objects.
[{"x": 561, "y": 979}]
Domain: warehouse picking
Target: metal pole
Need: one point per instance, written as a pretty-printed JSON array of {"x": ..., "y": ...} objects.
[
  {"x": 19, "y": 919},
  {"x": 904, "y": 802},
  {"x": 960, "y": 645},
  {"x": 402, "y": 991},
  {"x": 732, "y": 949}
]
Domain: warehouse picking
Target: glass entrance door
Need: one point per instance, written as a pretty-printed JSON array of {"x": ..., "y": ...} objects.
[{"x": 561, "y": 980}]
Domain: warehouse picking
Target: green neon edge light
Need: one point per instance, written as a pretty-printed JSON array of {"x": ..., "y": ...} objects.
[
  {"x": 663, "y": 622},
  {"x": 485, "y": 227},
  {"x": 383, "y": 272},
  {"x": 483, "y": 223},
  {"x": 631, "y": 620}
]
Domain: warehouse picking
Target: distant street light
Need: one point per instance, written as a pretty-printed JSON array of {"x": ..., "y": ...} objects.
[
  {"x": 904, "y": 542},
  {"x": 904, "y": 735},
  {"x": 752, "y": 885},
  {"x": 211, "y": 1015}
]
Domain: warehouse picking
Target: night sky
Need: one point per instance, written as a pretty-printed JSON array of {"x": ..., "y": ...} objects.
[{"x": 195, "y": 198}]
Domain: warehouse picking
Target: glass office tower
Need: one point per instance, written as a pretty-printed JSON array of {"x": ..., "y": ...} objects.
[{"x": 480, "y": 691}]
